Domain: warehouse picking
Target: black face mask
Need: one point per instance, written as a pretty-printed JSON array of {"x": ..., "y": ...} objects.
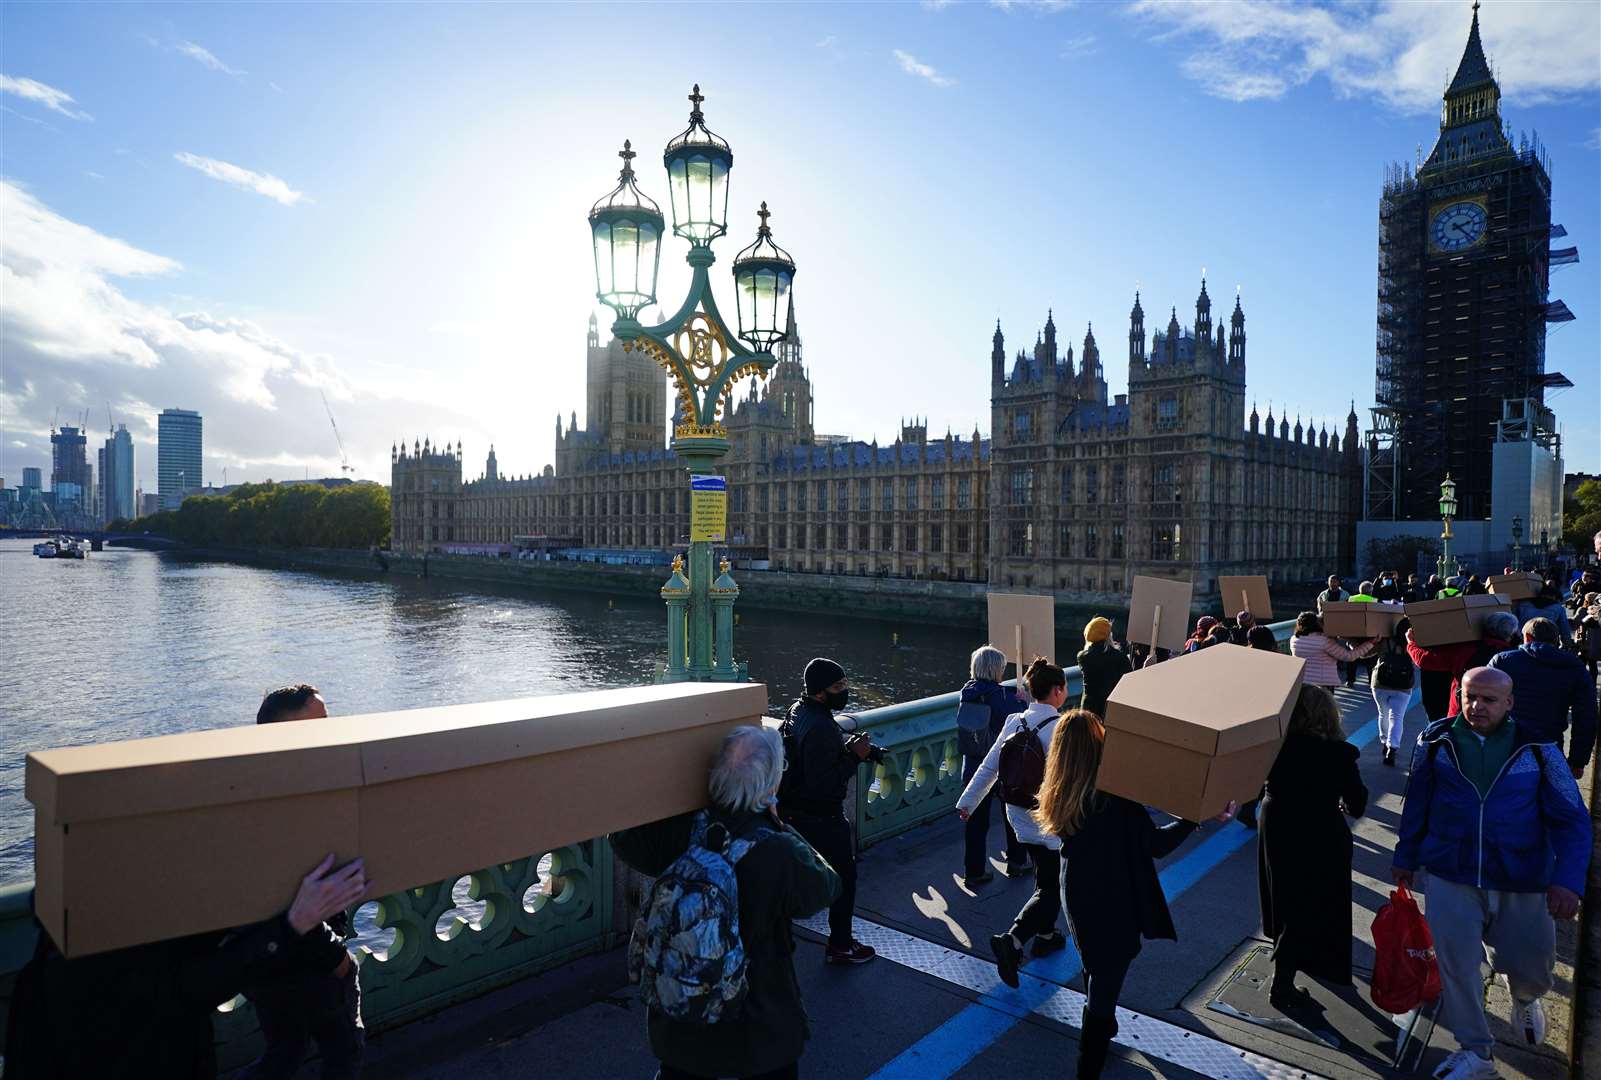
[{"x": 837, "y": 701}]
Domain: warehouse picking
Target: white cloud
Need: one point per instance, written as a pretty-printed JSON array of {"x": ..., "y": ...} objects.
[
  {"x": 1039, "y": 7},
  {"x": 912, "y": 66},
  {"x": 1594, "y": 141},
  {"x": 1082, "y": 45},
  {"x": 261, "y": 183},
  {"x": 204, "y": 56},
  {"x": 48, "y": 96},
  {"x": 1402, "y": 53},
  {"x": 937, "y": 5},
  {"x": 74, "y": 340},
  {"x": 827, "y": 42}
]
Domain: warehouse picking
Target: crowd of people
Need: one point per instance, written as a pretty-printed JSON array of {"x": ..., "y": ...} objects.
[{"x": 1493, "y": 828}]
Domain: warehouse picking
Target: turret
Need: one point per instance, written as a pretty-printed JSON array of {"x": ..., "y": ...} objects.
[
  {"x": 1171, "y": 344},
  {"x": 1350, "y": 443},
  {"x": 594, "y": 332},
  {"x": 998, "y": 356},
  {"x": 491, "y": 466},
  {"x": 1136, "y": 334},
  {"x": 1255, "y": 419},
  {"x": 1203, "y": 316},
  {"x": 1091, "y": 384},
  {"x": 1237, "y": 334},
  {"x": 1050, "y": 344}
]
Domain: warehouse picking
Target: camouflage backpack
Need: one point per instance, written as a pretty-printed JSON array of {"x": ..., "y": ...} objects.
[{"x": 685, "y": 952}]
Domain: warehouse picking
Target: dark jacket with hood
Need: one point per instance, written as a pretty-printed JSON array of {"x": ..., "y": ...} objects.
[
  {"x": 143, "y": 1011},
  {"x": 1000, "y": 701},
  {"x": 819, "y": 768},
  {"x": 1548, "y": 684},
  {"x": 1102, "y": 667},
  {"x": 780, "y": 879}
]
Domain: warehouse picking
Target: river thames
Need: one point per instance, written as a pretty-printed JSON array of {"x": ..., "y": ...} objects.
[{"x": 127, "y": 644}]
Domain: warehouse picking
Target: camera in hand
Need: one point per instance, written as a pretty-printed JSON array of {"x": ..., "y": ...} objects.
[{"x": 876, "y": 754}]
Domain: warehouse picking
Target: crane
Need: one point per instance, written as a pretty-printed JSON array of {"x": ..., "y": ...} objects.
[{"x": 344, "y": 459}]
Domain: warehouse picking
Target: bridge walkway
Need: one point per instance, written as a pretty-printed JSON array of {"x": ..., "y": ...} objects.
[{"x": 931, "y": 1006}]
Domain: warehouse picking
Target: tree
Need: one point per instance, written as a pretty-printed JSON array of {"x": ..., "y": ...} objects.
[
  {"x": 1581, "y": 516},
  {"x": 278, "y": 515}
]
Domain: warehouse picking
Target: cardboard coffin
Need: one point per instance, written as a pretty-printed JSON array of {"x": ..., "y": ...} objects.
[
  {"x": 149, "y": 839},
  {"x": 1453, "y": 620},
  {"x": 1194, "y": 732},
  {"x": 1370, "y": 619},
  {"x": 1520, "y": 586}
]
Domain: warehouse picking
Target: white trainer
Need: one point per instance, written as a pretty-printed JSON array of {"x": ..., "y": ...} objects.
[
  {"x": 1530, "y": 1016},
  {"x": 1466, "y": 1065}
]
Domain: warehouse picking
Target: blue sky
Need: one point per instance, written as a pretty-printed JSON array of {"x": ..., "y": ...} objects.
[{"x": 236, "y": 207}]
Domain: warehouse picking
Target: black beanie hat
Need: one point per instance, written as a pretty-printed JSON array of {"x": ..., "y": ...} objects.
[{"x": 822, "y": 673}]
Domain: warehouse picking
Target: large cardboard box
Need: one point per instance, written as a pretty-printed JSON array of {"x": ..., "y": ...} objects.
[
  {"x": 1453, "y": 620},
  {"x": 1023, "y": 626},
  {"x": 1159, "y": 612},
  {"x": 148, "y": 839},
  {"x": 1363, "y": 619},
  {"x": 1194, "y": 732},
  {"x": 1523, "y": 585},
  {"x": 1245, "y": 593}
]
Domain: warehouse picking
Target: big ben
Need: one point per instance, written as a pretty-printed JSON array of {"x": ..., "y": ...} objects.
[{"x": 1462, "y": 305}]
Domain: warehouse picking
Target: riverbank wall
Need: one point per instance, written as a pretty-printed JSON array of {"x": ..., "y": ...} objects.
[{"x": 946, "y": 603}]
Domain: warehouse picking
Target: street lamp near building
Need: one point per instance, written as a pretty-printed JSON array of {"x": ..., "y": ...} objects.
[
  {"x": 702, "y": 355},
  {"x": 1447, "y": 567},
  {"x": 1517, "y": 541}
]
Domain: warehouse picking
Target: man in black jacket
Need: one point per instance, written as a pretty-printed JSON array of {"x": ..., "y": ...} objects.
[
  {"x": 820, "y": 763},
  {"x": 319, "y": 997}
]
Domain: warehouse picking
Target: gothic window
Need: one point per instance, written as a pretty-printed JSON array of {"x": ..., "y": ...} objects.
[
  {"x": 1092, "y": 482},
  {"x": 762, "y": 498},
  {"x": 1092, "y": 543},
  {"x": 822, "y": 494},
  {"x": 864, "y": 497},
  {"x": 1119, "y": 482},
  {"x": 1166, "y": 486},
  {"x": 1067, "y": 484},
  {"x": 963, "y": 539},
  {"x": 1022, "y": 538},
  {"x": 886, "y": 488},
  {"x": 964, "y": 493},
  {"x": 1021, "y": 423},
  {"x": 843, "y": 499},
  {"x": 911, "y": 493},
  {"x": 936, "y": 539},
  {"x": 936, "y": 493},
  {"x": 842, "y": 537},
  {"x": 909, "y": 538},
  {"x": 1167, "y": 412},
  {"x": 1165, "y": 542},
  {"x": 800, "y": 496},
  {"x": 1064, "y": 542},
  {"x": 864, "y": 542},
  {"x": 886, "y": 537},
  {"x": 1022, "y": 485},
  {"x": 783, "y": 498},
  {"x": 1117, "y": 543}
]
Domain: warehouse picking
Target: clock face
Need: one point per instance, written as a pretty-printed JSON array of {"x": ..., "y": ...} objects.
[{"x": 1458, "y": 226}]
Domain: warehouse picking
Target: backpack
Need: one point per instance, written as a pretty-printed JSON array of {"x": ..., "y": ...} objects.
[
  {"x": 974, "y": 736},
  {"x": 1394, "y": 670},
  {"x": 685, "y": 952},
  {"x": 1021, "y": 768}
]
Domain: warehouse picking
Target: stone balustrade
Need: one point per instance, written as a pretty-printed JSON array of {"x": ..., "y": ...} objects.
[{"x": 432, "y": 946}]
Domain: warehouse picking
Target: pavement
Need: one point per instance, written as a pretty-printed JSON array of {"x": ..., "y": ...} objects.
[{"x": 931, "y": 1007}]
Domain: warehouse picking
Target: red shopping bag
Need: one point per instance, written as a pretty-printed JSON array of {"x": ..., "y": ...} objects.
[{"x": 1405, "y": 974}]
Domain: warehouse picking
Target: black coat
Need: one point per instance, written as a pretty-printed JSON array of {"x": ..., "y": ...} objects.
[
  {"x": 1304, "y": 854},
  {"x": 1102, "y": 666},
  {"x": 780, "y": 879},
  {"x": 1110, "y": 889},
  {"x": 819, "y": 768},
  {"x": 138, "y": 1012}
]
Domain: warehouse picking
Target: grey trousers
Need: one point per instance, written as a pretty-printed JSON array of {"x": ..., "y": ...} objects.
[{"x": 1512, "y": 930}]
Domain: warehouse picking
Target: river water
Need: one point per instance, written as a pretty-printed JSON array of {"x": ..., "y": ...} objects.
[{"x": 126, "y": 644}]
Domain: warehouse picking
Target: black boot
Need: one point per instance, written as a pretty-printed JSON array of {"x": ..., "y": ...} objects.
[{"x": 1095, "y": 1039}]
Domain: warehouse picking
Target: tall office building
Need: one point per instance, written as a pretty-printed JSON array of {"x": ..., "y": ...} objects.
[
  {"x": 71, "y": 480},
  {"x": 115, "y": 461},
  {"x": 1464, "y": 266},
  {"x": 178, "y": 452},
  {"x": 32, "y": 478}
]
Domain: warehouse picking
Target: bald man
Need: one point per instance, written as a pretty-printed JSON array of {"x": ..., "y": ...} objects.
[{"x": 1494, "y": 817}]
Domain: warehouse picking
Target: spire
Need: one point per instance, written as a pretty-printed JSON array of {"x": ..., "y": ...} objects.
[
  {"x": 789, "y": 319},
  {"x": 1474, "y": 70},
  {"x": 1203, "y": 302},
  {"x": 1138, "y": 314}
]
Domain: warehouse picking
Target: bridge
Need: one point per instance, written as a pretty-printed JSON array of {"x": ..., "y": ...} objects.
[
  {"x": 99, "y": 537},
  {"x": 517, "y": 969}
]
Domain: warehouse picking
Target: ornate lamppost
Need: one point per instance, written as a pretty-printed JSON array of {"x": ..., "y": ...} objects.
[
  {"x": 1545, "y": 551},
  {"x": 1446, "y": 567},
  {"x": 1517, "y": 542},
  {"x": 701, "y": 354}
]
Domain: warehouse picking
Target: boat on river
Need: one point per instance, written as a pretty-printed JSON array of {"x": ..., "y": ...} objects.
[
  {"x": 47, "y": 549},
  {"x": 72, "y": 549}
]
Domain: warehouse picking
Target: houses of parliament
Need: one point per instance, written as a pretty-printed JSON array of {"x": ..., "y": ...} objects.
[{"x": 1073, "y": 490}]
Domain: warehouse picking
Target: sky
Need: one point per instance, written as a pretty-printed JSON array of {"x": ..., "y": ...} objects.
[{"x": 247, "y": 208}]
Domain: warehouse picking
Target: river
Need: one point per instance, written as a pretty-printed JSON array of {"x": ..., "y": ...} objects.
[{"x": 127, "y": 644}]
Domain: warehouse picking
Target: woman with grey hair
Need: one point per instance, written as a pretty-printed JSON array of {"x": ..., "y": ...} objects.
[
  {"x": 780, "y": 879},
  {"x": 984, "y": 691}
]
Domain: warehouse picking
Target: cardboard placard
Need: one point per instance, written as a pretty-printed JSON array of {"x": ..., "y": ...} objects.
[
  {"x": 238, "y": 816},
  {"x": 1245, "y": 593},
  {"x": 1360, "y": 620},
  {"x": 1159, "y": 612},
  {"x": 1454, "y": 620},
  {"x": 1522, "y": 585},
  {"x": 1192, "y": 733},
  {"x": 1023, "y": 626}
]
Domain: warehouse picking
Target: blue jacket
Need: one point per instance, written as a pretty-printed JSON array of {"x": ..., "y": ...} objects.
[
  {"x": 1547, "y": 683},
  {"x": 1002, "y": 702},
  {"x": 1532, "y": 830}
]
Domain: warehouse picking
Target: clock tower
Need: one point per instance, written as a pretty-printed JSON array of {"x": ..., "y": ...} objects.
[{"x": 1463, "y": 275}]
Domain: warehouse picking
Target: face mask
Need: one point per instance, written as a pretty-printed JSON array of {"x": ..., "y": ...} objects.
[{"x": 838, "y": 701}]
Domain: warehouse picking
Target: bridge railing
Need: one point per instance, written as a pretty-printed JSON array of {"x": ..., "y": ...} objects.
[{"x": 426, "y": 948}]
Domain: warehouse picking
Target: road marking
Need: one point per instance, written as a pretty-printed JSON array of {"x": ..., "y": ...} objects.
[{"x": 948, "y": 1048}]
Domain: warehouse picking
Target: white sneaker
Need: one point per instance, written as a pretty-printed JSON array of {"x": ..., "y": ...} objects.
[
  {"x": 1466, "y": 1065},
  {"x": 1530, "y": 1016}
]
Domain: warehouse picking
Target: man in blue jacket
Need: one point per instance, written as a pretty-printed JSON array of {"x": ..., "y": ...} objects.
[
  {"x": 1493, "y": 815},
  {"x": 1550, "y": 684}
]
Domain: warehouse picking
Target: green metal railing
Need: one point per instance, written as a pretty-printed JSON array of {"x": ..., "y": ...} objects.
[{"x": 433, "y": 946}]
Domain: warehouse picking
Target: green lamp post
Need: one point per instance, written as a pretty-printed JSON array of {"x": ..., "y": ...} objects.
[
  {"x": 1517, "y": 542},
  {"x": 1447, "y": 567},
  {"x": 701, "y": 354}
]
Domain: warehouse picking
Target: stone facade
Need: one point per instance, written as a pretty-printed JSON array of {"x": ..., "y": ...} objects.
[{"x": 1075, "y": 492}]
